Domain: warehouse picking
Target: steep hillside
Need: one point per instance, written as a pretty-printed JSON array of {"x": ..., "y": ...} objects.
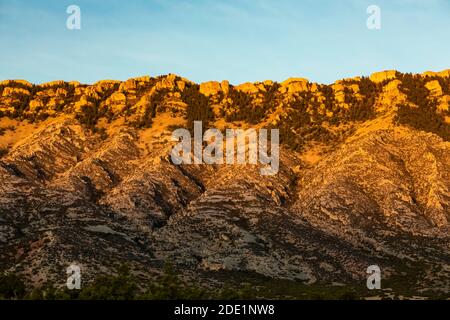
[{"x": 364, "y": 179}]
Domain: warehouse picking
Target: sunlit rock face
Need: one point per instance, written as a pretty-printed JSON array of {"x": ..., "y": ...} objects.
[{"x": 364, "y": 178}]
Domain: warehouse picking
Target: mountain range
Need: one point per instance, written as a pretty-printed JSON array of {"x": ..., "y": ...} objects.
[{"x": 364, "y": 179}]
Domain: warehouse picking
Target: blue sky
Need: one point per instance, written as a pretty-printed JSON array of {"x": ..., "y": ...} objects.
[{"x": 238, "y": 40}]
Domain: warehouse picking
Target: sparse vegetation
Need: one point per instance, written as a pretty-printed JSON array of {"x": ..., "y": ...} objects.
[
  {"x": 198, "y": 106},
  {"x": 90, "y": 114},
  {"x": 110, "y": 179},
  {"x": 11, "y": 287},
  {"x": 154, "y": 105},
  {"x": 169, "y": 286}
]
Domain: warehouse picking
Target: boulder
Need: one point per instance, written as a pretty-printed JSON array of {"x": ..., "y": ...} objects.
[
  {"x": 210, "y": 88},
  {"x": 383, "y": 75},
  {"x": 35, "y": 104},
  {"x": 129, "y": 85},
  {"x": 117, "y": 97},
  {"x": 248, "y": 88},
  {"x": 167, "y": 82}
]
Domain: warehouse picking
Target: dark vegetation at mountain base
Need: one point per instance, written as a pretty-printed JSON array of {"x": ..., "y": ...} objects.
[
  {"x": 245, "y": 110},
  {"x": 151, "y": 110},
  {"x": 361, "y": 110},
  {"x": 240, "y": 286},
  {"x": 122, "y": 286}
]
